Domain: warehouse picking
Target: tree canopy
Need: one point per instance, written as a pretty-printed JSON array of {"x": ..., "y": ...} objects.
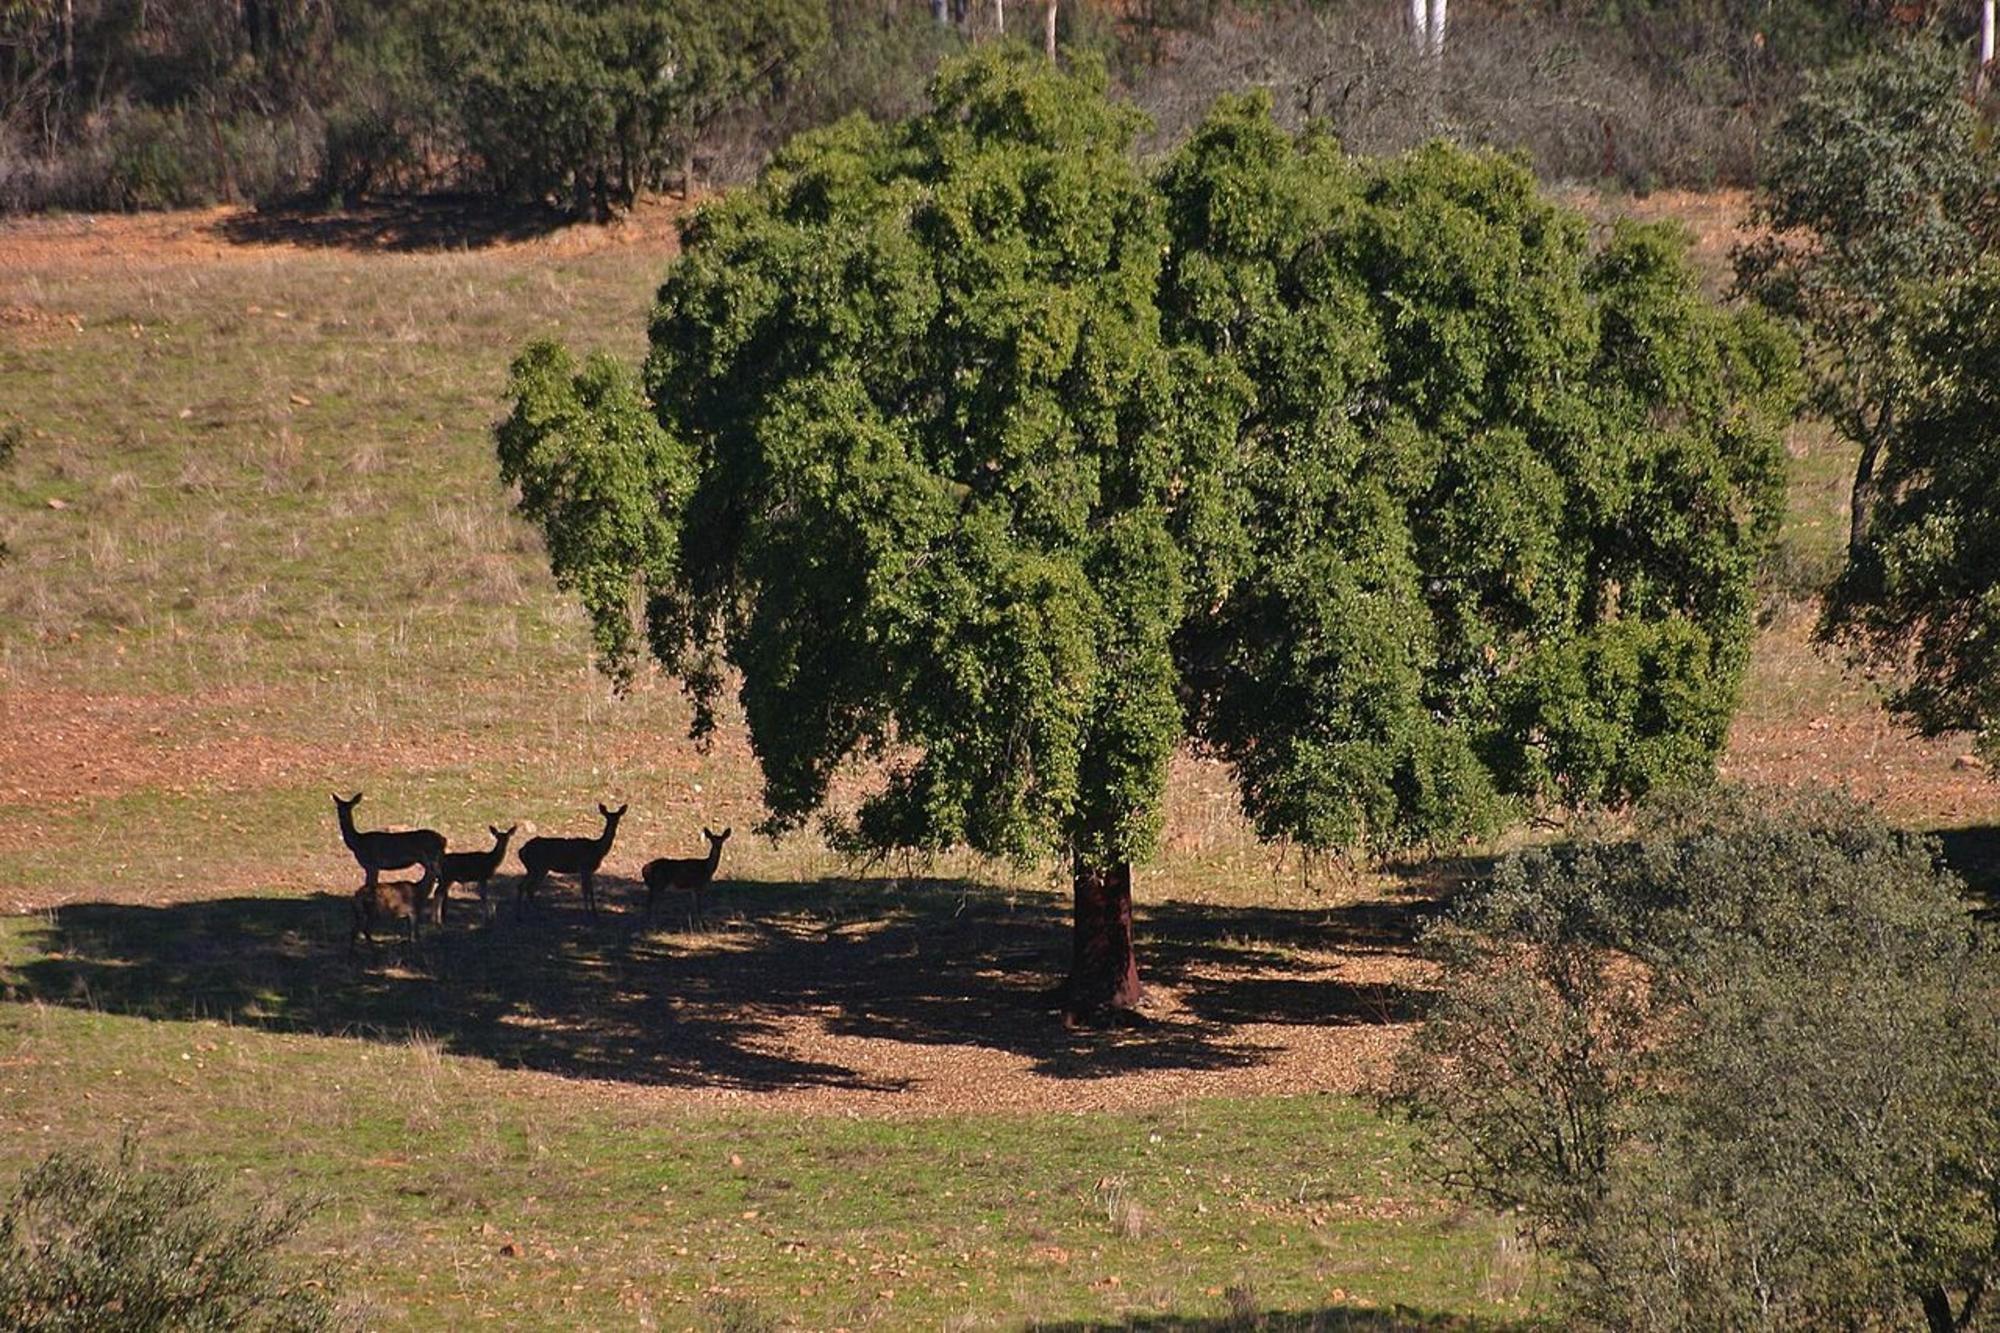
[
  {"x": 1878, "y": 181},
  {"x": 985, "y": 455},
  {"x": 1921, "y": 597}
]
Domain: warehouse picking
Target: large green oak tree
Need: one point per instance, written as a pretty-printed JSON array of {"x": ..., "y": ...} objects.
[{"x": 977, "y": 455}]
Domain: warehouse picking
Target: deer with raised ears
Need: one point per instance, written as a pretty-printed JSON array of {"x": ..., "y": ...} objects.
[
  {"x": 542, "y": 857},
  {"x": 472, "y": 868},
  {"x": 687, "y": 875},
  {"x": 380, "y": 850}
]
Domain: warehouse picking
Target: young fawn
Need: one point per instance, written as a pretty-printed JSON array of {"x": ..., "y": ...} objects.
[
  {"x": 690, "y": 875},
  {"x": 395, "y": 901},
  {"x": 471, "y": 868},
  {"x": 379, "y": 850},
  {"x": 542, "y": 857}
]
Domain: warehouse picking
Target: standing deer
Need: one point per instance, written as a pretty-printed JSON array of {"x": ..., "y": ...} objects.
[
  {"x": 380, "y": 850},
  {"x": 471, "y": 868},
  {"x": 690, "y": 875},
  {"x": 542, "y": 857}
]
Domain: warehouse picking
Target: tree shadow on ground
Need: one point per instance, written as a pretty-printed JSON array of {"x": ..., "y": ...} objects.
[
  {"x": 724, "y": 1005},
  {"x": 395, "y": 226},
  {"x": 1973, "y": 854},
  {"x": 1328, "y": 1319}
]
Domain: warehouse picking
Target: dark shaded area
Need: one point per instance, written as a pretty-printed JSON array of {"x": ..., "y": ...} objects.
[
  {"x": 1328, "y": 1319},
  {"x": 1973, "y": 854},
  {"x": 925, "y": 963},
  {"x": 397, "y": 226}
]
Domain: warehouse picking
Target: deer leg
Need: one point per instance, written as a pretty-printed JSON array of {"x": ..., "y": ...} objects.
[
  {"x": 527, "y": 890},
  {"x": 589, "y": 898}
]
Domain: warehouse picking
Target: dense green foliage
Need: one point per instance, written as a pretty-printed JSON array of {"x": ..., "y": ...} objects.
[
  {"x": 1493, "y": 500},
  {"x": 1878, "y": 181},
  {"x": 589, "y": 103},
  {"x": 97, "y": 1245},
  {"x": 1741, "y": 1070},
  {"x": 600, "y": 478},
  {"x": 1015, "y": 467},
  {"x": 922, "y": 370},
  {"x": 1922, "y": 596}
]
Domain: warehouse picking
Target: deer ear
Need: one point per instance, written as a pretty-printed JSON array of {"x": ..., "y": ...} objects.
[{"x": 725, "y": 834}]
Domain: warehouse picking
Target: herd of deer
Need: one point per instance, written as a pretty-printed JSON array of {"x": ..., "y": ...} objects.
[{"x": 378, "y": 850}]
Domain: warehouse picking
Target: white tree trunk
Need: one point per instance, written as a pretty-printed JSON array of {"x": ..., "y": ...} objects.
[
  {"x": 1985, "y": 45},
  {"x": 1051, "y": 29},
  {"x": 1419, "y": 27},
  {"x": 1000, "y": 17},
  {"x": 1436, "y": 29}
]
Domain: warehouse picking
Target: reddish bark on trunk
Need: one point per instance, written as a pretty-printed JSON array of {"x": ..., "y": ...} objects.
[{"x": 1104, "y": 970}]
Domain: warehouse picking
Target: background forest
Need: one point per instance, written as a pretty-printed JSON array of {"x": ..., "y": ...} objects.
[{"x": 122, "y": 104}]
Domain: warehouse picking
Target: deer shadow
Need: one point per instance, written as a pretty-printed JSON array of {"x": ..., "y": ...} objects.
[{"x": 614, "y": 998}]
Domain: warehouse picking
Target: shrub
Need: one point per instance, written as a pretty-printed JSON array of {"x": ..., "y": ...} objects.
[
  {"x": 1742, "y": 1069},
  {"x": 88, "y": 1244},
  {"x": 586, "y": 105}
]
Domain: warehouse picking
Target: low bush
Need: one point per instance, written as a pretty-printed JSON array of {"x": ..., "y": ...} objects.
[
  {"x": 1741, "y": 1069},
  {"x": 91, "y": 1244}
]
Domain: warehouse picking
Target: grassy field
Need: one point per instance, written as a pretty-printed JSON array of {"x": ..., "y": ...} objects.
[{"x": 260, "y": 554}]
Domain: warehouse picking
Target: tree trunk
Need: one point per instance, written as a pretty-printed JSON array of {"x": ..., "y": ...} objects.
[
  {"x": 1050, "y": 20},
  {"x": 1937, "y": 1310},
  {"x": 1985, "y": 49},
  {"x": 1861, "y": 504},
  {"x": 1419, "y": 27},
  {"x": 1103, "y": 970},
  {"x": 1436, "y": 29}
]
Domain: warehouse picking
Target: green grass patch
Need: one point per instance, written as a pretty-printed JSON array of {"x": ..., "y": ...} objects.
[{"x": 457, "y": 1197}]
